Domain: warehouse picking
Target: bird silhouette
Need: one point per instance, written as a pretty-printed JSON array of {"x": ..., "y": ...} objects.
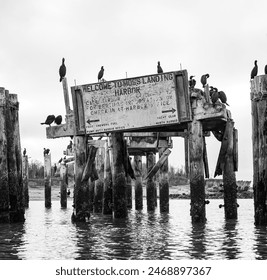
[
  {"x": 265, "y": 69},
  {"x": 214, "y": 95},
  {"x": 24, "y": 152},
  {"x": 46, "y": 151},
  {"x": 49, "y": 120},
  {"x": 62, "y": 70},
  {"x": 58, "y": 120},
  {"x": 100, "y": 73},
  {"x": 159, "y": 68},
  {"x": 203, "y": 79},
  {"x": 192, "y": 82},
  {"x": 222, "y": 97},
  {"x": 254, "y": 71}
]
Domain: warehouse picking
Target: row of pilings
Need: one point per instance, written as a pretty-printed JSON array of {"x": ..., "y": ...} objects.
[{"x": 12, "y": 198}]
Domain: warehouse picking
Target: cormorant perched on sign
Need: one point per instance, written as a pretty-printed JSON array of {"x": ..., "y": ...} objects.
[
  {"x": 100, "y": 73},
  {"x": 254, "y": 71},
  {"x": 214, "y": 95},
  {"x": 203, "y": 79},
  {"x": 49, "y": 120},
  {"x": 46, "y": 151},
  {"x": 192, "y": 82},
  {"x": 62, "y": 70},
  {"x": 265, "y": 69},
  {"x": 159, "y": 68},
  {"x": 222, "y": 97},
  {"x": 24, "y": 152},
  {"x": 58, "y": 120}
]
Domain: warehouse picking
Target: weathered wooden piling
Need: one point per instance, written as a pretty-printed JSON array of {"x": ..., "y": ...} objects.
[
  {"x": 186, "y": 153},
  {"x": 197, "y": 182},
  {"x": 129, "y": 192},
  {"x": 47, "y": 180},
  {"x": 99, "y": 183},
  {"x": 163, "y": 184},
  {"x": 107, "y": 192},
  {"x": 138, "y": 182},
  {"x": 118, "y": 176},
  {"x": 63, "y": 185},
  {"x": 150, "y": 185},
  {"x": 259, "y": 141},
  {"x": 25, "y": 177}
]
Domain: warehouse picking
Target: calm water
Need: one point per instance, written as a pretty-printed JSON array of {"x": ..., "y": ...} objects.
[{"x": 49, "y": 234}]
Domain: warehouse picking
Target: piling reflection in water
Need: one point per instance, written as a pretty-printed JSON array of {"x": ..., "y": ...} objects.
[{"x": 49, "y": 234}]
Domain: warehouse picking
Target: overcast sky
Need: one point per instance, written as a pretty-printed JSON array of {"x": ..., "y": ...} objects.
[{"x": 222, "y": 38}]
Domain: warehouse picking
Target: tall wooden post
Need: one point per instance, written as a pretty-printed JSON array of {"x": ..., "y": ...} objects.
[
  {"x": 229, "y": 180},
  {"x": 81, "y": 190},
  {"x": 107, "y": 193},
  {"x": 66, "y": 95},
  {"x": 138, "y": 182},
  {"x": 129, "y": 192},
  {"x": 118, "y": 176},
  {"x": 163, "y": 184},
  {"x": 186, "y": 154},
  {"x": 25, "y": 177},
  {"x": 99, "y": 183},
  {"x": 150, "y": 185},
  {"x": 4, "y": 188},
  {"x": 47, "y": 180},
  {"x": 197, "y": 182},
  {"x": 63, "y": 185}
]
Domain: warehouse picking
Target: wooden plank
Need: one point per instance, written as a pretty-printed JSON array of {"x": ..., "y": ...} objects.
[
  {"x": 205, "y": 158},
  {"x": 66, "y": 95}
]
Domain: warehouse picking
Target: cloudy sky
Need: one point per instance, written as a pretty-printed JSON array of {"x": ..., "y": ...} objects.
[{"x": 222, "y": 38}]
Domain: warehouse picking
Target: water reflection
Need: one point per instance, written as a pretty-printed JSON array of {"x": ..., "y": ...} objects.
[
  {"x": 260, "y": 246},
  {"x": 197, "y": 250}
]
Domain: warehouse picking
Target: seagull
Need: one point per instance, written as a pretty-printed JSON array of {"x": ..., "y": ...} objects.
[
  {"x": 254, "y": 71},
  {"x": 46, "y": 151},
  {"x": 58, "y": 120},
  {"x": 100, "y": 73},
  {"x": 192, "y": 82},
  {"x": 62, "y": 70},
  {"x": 24, "y": 152},
  {"x": 222, "y": 97},
  {"x": 49, "y": 120},
  {"x": 203, "y": 79},
  {"x": 159, "y": 68}
]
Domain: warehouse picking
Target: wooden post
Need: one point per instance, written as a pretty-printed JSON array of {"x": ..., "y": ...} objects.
[
  {"x": 150, "y": 185},
  {"x": 118, "y": 176},
  {"x": 81, "y": 191},
  {"x": 47, "y": 180},
  {"x": 25, "y": 177},
  {"x": 66, "y": 95},
  {"x": 129, "y": 192},
  {"x": 186, "y": 154},
  {"x": 163, "y": 184},
  {"x": 197, "y": 182},
  {"x": 138, "y": 182},
  {"x": 107, "y": 193},
  {"x": 99, "y": 183},
  {"x": 229, "y": 180},
  {"x": 4, "y": 188},
  {"x": 63, "y": 185}
]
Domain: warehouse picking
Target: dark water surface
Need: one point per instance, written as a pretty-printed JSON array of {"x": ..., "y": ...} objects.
[{"x": 49, "y": 234}]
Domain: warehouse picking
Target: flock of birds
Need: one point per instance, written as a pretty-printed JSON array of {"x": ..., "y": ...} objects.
[{"x": 254, "y": 71}]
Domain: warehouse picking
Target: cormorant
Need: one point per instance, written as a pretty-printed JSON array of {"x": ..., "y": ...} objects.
[
  {"x": 58, "y": 120},
  {"x": 70, "y": 145},
  {"x": 68, "y": 192},
  {"x": 214, "y": 95},
  {"x": 100, "y": 73},
  {"x": 49, "y": 119},
  {"x": 159, "y": 68},
  {"x": 265, "y": 69},
  {"x": 24, "y": 152},
  {"x": 62, "y": 70},
  {"x": 254, "y": 71},
  {"x": 46, "y": 151},
  {"x": 192, "y": 82},
  {"x": 203, "y": 79},
  {"x": 222, "y": 97}
]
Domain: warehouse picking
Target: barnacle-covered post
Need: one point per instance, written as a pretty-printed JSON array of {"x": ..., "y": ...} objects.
[
  {"x": 163, "y": 184},
  {"x": 47, "y": 180},
  {"x": 25, "y": 177},
  {"x": 64, "y": 184},
  {"x": 137, "y": 166},
  {"x": 150, "y": 185}
]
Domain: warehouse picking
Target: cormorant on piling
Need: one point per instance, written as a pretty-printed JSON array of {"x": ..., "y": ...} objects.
[
  {"x": 159, "y": 68},
  {"x": 222, "y": 97},
  {"x": 192, "y": 82},
  {"x": 70, "y": 145},
  {"x": 49, "y": 119},
  {"x": 46, "y": 151},
  {"x": 203, "y": 79},
  {"x": 68, "y": 192},
  {"x": 24, "y": 152},
  {"x": 62, "y": 70},
  {"x": 265, "y": 69},
  {"x": 214, "y": 95},
  {"x": 100, "y": 73},
  {"x": 58, "y": 120},
  {"x": 254, "y": 71}
]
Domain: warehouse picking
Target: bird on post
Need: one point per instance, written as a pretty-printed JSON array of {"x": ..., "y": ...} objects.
[
  {"x": 254, "y": 71},
  {"x": 49, "y": 120},
  {"x": 159, "y": 69},
  {"x": 58, "y": 120},
  {"x": 222, "y": 97},
  {"x": 214, "y": 96},
  {"x": 62, "y": 70},
  {"x": 46, "y": 151},
  {"x": 192, "y": 82},
  {"x": 203, "y": 79},
  {"x": 24, "y": 152},
  {"x": 100, "y": 73}
]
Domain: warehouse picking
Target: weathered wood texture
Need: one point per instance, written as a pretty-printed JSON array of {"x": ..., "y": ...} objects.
[
  {"x": 81, "y": 191},
  {"x": 99, "y": 183},
  {"x": 186, "y": 154},
  {"x": 150, "y": 184},
  {"x": 25, "y": 177},
  {"x": 137, "y": 166},
  {"x": 163, "y": 184},
  {"x": 66, "y": 95},
  {"x": 197, "y": 182},
  {"x": 118, "y": 176},
  {"x": 63, "y": 185},
  {"x": 205, "y": 159},
  {"x": 47, "y": 180}
]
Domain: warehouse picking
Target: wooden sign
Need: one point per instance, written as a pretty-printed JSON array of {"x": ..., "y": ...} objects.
[{"x": 133, "y": 103}]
